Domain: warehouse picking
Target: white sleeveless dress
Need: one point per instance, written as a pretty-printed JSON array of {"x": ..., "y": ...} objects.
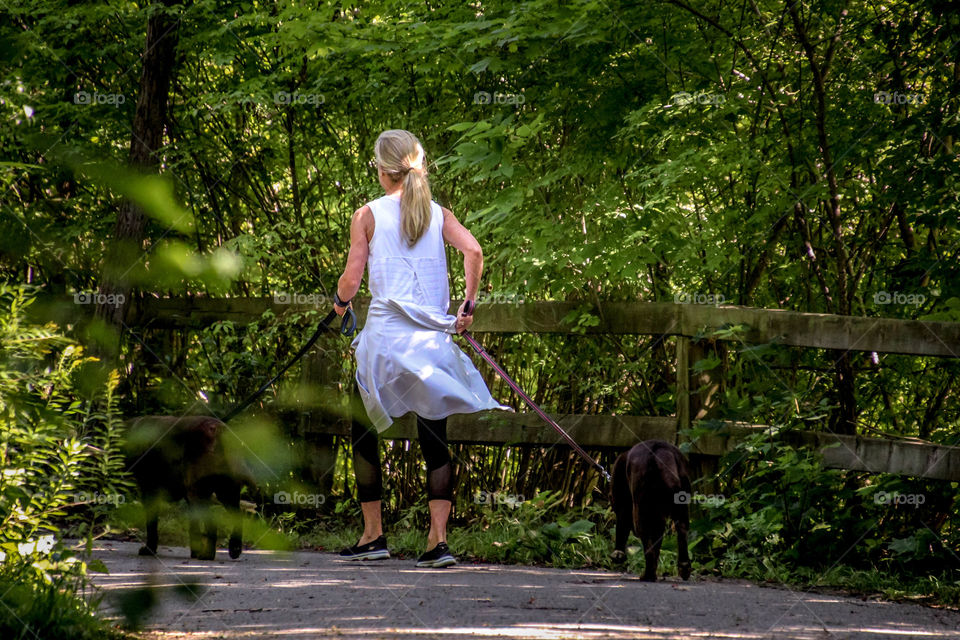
[{"x": 406, "y": 357}]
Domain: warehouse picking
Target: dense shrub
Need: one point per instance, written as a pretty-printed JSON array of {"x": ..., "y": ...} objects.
[{"x": 59, "y": 456}]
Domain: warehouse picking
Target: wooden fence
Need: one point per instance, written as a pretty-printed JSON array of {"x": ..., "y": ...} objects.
[{"x": 685, "y": 322}]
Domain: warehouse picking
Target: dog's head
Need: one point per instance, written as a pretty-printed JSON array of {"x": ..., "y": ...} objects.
[{"x": 200, "y": 435}]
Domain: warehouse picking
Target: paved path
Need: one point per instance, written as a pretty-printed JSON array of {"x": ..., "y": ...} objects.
[{"x": 313, "y": 595}]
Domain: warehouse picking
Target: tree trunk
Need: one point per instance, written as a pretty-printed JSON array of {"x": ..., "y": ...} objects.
[
  {"x": 845, "y": 419},
  {"x": 146, "y": 138}
]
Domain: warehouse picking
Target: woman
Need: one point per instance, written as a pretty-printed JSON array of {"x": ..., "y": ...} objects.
[{"x": 406, "y": 358}]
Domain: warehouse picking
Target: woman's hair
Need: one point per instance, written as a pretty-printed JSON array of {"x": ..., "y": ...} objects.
[{"x": 400, "y": 155}]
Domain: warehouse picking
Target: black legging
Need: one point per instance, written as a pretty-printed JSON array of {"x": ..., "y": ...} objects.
[{"x": 366, "y": 457}]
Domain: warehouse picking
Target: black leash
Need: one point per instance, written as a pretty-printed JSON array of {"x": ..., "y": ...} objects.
[
  {"x": 347, "y": 327},
  {"x": 468, "y": 311}
]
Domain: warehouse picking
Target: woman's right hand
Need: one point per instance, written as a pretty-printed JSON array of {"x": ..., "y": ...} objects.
[{"x": 463, "y": 319}]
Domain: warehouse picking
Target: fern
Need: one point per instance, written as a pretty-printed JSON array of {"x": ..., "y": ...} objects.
[{"x": 54, "y": 442}]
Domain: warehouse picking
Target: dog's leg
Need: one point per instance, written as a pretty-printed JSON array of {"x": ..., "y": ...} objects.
[
  {"x": 203, "y": 527},
  {"x": 229, "y": 495},
  {"x": 196, "y": 546},
  {"x": 210, "y": 535},
  {"x": 622, "y": 509},
  {"x": 151, "y": 508},
  {"x": 236, "y": 536},
  {"x": 651, "y": 529},
  {"x": 207, "y": 519},
  {"x": 681, "y": 520},
  {"x": 623, "y": 533}
]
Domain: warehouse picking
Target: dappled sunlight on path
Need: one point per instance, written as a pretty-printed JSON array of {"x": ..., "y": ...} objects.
[{"x": 314, "y": 595}]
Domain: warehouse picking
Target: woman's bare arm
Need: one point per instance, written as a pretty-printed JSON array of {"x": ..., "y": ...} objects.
[
  {"x": 361, "y": 230},
  {"x": 456, "y": 235}
]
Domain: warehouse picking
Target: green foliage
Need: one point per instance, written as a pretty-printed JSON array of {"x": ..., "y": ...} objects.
[
  {"x": 41, "y": 583},
  {"x": 561, "y": 120},
  {"x": 534, "y": 531},
  {"x": 59, "y": 448},
  {"x": 39, "y": 452},
  {"x": 781, "y": 511},
  {"x": 526, "y": 532}
]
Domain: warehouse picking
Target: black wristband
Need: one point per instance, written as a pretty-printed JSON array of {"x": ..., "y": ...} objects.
[{"x": 338, "y": 302}]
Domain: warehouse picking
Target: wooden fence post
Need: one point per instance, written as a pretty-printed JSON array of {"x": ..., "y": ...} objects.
[
  {"x": 693, "y": 395},
  {"x": 316, "y": 450},
  {"x": 683, "y": 389}
]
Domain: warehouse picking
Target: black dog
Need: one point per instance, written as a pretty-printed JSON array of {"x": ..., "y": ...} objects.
[
  {"x": 651, "y": 483},
  {"x": 174, "y": 458}
]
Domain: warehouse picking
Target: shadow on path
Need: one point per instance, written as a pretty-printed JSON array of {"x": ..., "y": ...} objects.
[{"x": 314, "y": 595}]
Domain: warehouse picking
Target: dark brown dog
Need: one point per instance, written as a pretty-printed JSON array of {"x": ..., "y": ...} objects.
[
  {"x": 174, "y": 458},
  {"x": 650, "y": 484}
]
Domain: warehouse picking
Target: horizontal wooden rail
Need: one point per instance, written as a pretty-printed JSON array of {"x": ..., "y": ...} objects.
[
  {"x": 816, "y": 330},
  {"x": 874, "y": 455},
  {"x": 826, "y": 331}
]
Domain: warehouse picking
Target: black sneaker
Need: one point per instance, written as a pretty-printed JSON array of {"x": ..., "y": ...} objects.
[
  {"x": 437, "y": 557},
  {"x": 376, "y": 550}
]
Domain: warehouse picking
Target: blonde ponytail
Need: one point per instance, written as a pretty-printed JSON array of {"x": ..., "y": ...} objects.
[{"x": 401, "y": 157}]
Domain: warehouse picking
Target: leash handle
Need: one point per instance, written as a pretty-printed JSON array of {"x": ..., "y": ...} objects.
[{"x": 349, "y": 323}]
